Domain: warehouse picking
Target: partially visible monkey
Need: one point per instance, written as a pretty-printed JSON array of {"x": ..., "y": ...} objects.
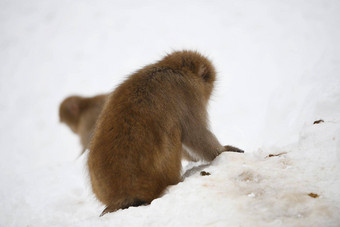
[
  {"x": 136, "y": 148},
  {"x": 81, "y": 114}
]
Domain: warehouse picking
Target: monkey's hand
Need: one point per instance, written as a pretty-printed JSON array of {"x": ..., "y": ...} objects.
[{"x": 228, "y": 148}]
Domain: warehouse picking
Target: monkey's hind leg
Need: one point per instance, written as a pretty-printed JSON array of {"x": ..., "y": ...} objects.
[
  {"x": 233, "y": 149},
  {"x": 135, "y": 203}
]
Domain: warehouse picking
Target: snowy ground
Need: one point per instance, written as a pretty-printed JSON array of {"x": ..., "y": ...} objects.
[{"x": 278, "y": 66}]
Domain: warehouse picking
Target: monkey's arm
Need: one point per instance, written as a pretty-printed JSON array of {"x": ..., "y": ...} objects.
[{"x": 205, "y": 145}]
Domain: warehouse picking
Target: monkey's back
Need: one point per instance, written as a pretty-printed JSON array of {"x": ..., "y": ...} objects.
[{"x": 136, "y": 149}]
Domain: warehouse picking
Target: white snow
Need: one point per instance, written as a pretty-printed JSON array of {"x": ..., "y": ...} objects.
[{"x": 278, "y": 66}]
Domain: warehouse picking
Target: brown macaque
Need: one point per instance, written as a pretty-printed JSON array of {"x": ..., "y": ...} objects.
[
  {"x": 81, "y": 114},
  {"x": 136, "y": 149}
]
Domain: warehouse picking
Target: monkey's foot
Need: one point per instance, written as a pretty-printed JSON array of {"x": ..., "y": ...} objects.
[
  {"x": 134, "y": 203},
  {"x": 107, "y": 210},
  {"x": 232, "y": 149}
]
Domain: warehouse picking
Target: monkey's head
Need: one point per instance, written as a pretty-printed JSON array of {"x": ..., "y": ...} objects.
[
  {"x": 70, "y": 111},
  {"x": 193, "y": 64}
]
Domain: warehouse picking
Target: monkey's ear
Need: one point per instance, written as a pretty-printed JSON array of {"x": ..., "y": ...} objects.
[
  {"x": 73, "y": 107},
  {"x": 204, "y": 73}
]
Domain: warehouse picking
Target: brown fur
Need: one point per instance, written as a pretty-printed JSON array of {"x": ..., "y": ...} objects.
[
  {"x": 136, "y": 148},
  {"x": 81, "y": 114}
]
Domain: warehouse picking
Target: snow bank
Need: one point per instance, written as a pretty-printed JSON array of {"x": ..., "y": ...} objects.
[{"x": 297, "y": 185}]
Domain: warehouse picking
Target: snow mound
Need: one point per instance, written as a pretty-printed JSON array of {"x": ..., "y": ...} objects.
[{"x": 296, "y": 185}]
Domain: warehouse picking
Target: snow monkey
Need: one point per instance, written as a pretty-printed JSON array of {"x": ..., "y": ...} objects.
[
  {"x": 135, "y": 152},
  {"x": 81, "y": 114}
]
